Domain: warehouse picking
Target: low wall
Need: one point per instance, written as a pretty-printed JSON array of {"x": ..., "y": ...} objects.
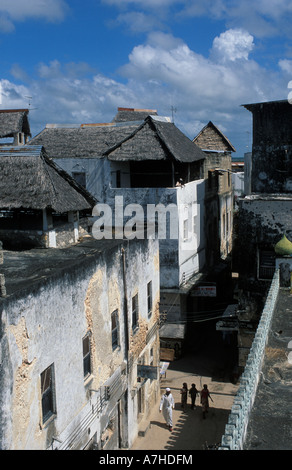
[{"x": 235, "y": 429}]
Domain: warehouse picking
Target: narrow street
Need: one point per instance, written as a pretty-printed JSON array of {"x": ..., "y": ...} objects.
[{"x": 206, "y": 360}]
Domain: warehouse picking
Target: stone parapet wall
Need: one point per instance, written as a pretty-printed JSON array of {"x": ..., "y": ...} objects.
[{"x": 235, "y": 429}]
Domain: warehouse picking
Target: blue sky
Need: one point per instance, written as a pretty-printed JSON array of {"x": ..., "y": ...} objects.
[{"x": 77, "y": 61}]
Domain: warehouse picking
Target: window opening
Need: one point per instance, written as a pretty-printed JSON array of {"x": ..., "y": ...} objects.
[
  {"x": 115, "y": 330},
  {"x": 47, "y": 392},
  {"x": 135, "y": 312},
  {"x": 86, "y": 356},
  {"x": 149, "y": 298}
]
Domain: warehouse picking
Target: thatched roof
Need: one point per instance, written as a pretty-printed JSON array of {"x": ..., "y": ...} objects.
[
  {"x": 31, "y": 180},
  {"x": 156, "y": 139},
  {"x": 132, "y": 114},
  {"x": 81, "y": 141},
  {"x": 13, "y": 121},
  {"x": 211, "y": 138}
]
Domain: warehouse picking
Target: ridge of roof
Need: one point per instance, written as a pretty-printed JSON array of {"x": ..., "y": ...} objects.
[{"x": 3, "y": 111}]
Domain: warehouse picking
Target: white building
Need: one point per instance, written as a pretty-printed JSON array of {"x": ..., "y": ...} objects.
[
  {"x": 146, "y": 162},
  {"x": 79, "y": 345}
]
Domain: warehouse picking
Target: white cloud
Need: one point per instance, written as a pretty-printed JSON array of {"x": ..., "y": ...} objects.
[
  {"x": 20, "y": 10},
  {"x": 232, "y": 45},
  {"x": 286, "y": 66},
  {"x": 261, "y": 18},
  {"x": 161, "y": 73},
  {"x": 138, "y": 22},
  {"x": 141, "y": 3},
  {"x": 170, "y": 61}
]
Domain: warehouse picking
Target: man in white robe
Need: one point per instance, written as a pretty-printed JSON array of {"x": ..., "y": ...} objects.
[{"x": 167, "y": 405}]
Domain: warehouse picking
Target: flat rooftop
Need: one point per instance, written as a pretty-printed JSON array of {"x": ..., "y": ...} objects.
[
  {"x": 270, "y": 422},
  {"x": 23, "y": 269}
]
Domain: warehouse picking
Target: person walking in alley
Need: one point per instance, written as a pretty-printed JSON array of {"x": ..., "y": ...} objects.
[
  {"x": 205, "y": 395},
  {"x": 166, "y": 406},
  {"x": 184, "y": 396},
  {"x": 193, "y": 393}
]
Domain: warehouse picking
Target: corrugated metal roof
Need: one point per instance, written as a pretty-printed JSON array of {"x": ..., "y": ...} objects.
[{"x": 20, "y": 150}]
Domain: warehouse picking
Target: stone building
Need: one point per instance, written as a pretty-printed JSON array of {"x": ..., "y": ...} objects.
[
  {"x": 79, "y": 345},
  {"x": 271, "y": 163},
  {"x": 219, "y": 194},
  {"x": 265, "y": 213},
  {"x": 142, "y": 159},
  {"x": 40, "y": 204}
]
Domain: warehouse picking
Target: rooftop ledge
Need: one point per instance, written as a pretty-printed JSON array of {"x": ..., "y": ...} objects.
[
  {"x": 106, "y": 124},
  {"x": 269, "y": 197}
]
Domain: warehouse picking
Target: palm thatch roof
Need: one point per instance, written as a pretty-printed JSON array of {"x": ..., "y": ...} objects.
[
  {"x": 211, "y": 138},
  {"x": 156, "y": 139},
  {"x": 13, "y": 121},
  {"x": 31, "y": 180},
  {"x": 81, "y": 141}
]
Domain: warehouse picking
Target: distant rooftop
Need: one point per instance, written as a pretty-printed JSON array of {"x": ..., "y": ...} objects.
[
  {"x": 133, "y": 114},
  {"x": 251, "y": 106},
  {"x": 152, "y": 138}
]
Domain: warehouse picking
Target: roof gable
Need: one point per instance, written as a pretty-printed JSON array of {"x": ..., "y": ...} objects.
[{"x": 211, "y": 138}]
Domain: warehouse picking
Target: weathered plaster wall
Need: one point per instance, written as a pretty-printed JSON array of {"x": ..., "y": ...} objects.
[
  {"x": 97, "y": 173},
  {"x": 191, "y": 207},
  {"x": 261, "y": 221},
  {"x": 145, "y": 338},
  {"x": 45, "y": 324}
]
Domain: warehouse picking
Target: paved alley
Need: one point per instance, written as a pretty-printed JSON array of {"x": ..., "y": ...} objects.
[{"x": 207, "y": 361}]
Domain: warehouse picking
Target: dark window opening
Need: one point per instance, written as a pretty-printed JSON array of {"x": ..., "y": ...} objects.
[
  {"x": 115, "y": 330},
  {"x": 118, "y": 179},
  {"x": 80, "y": 178},
  {"x": 151, "y": 174},
  {"x": 135, "y": 312},
  {"x": 47, "y": 392},
  {"x": 266, "y": 264},
  {"x": 86, "y": 356},
  {"x": 149, "y": 298}
]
